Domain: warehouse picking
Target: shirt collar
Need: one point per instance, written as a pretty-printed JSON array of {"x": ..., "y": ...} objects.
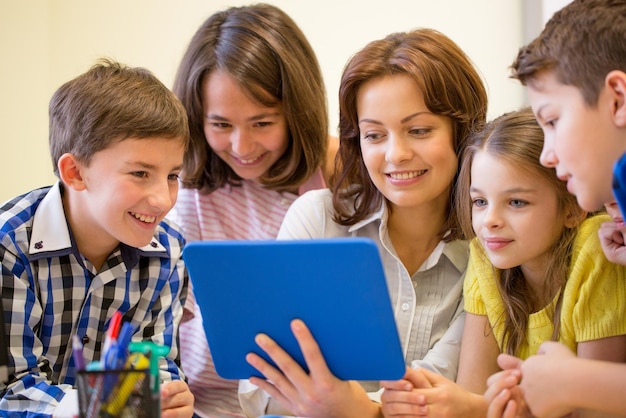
[
  {"x": 456, "y": 251},
  {"x": 380, "y": 214},
  {"x": 51, "y": 233}
]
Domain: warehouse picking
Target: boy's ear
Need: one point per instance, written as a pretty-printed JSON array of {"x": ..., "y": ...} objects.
[
  {"x": 575, "y": 215},
  {"x": 616, "y": 83},
  {"x": 70, "y": 171}
]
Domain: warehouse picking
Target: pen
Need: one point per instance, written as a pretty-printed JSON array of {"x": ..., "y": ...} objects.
[
  {"x": 111, "y": 335},
  {"x": 138, "y": 362},
  {"x": 93, "y": 407},
  {"x": 123, "y": 341},
  {"x": 113, "y": 355},
  {"x": 77, "y": 353}
]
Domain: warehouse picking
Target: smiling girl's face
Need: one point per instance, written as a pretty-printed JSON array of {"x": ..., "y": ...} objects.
[
  {"x": 247, "y": 135},
  {"x": 515, "y": 214}
]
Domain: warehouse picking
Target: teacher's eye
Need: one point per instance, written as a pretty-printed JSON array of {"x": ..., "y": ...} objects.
[
  {"x": 420, "y": 131},
  {"x": 140, "y": 174},
  {"x": 371, "y": 136}
]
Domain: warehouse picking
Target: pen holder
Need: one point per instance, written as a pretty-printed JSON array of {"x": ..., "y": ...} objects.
[{"x": 117, "y": 393}]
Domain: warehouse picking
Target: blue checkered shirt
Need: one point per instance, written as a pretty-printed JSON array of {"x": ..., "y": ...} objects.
[{"x": 50, "y": 291}]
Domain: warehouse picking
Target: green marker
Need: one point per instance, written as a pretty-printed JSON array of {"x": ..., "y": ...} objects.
[{"x": 153, "y": 351}]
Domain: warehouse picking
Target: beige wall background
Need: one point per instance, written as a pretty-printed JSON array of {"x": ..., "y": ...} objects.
[{"x": 44, "y": 43}]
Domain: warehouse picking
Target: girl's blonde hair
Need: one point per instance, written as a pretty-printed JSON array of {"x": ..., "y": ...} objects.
[{"x": 516, "y": 137}]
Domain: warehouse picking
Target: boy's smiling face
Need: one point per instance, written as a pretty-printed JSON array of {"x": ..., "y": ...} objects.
[
  {"x": 122, "y": 194},
  {"x": 581, "y": 142}
]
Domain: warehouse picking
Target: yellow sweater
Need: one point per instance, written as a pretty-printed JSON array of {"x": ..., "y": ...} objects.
[{"x": 594, "y": 299}]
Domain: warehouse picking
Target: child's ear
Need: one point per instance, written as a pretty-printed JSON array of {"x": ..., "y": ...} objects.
[
  {"x": 70, "y": 171},
  {"x": 575, "y": 215},
  {"x": 616, "y": 82}
]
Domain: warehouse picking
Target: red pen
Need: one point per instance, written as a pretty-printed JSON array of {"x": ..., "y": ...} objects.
[
  {"x": 114, "y": 325},
  {"x": 111, "y": 336}
]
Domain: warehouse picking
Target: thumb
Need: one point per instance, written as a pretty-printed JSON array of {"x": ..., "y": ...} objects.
[{"x": 507, "y": 361}]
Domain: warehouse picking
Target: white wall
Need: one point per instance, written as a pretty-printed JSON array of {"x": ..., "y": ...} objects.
[{"x": 45, "y": 43}]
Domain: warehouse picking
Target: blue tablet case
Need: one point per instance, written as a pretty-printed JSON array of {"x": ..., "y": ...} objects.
[
  {"x": 336, "y": 286},
  {"x": 619, "y": 182}
]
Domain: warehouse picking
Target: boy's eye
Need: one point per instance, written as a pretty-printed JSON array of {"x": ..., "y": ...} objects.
[
  {"x": 547, "y": 122},
  {"x": 140, "y": 174}
]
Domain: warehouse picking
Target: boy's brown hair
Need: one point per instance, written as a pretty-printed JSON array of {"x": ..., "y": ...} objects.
[
  {"x": 109, "y": 103},
  {"x": 581, "y": 44}
]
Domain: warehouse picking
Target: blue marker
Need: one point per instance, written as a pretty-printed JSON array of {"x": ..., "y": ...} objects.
[
  {"x": 115, "y": 357},
  {"x": 123, "y": 342}
]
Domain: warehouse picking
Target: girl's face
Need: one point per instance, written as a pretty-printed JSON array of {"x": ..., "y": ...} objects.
[
  {"x": 247, "y": 135},
  {"x": 515, "y": 214},
  {"x": 408, "y": 151}
]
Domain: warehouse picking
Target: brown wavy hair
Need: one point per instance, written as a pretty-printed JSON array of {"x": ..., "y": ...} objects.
[
  {"x": 264, "y": 50},
  {"x": 451, "y": 86}
]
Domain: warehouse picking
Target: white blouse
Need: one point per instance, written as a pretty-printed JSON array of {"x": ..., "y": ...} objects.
[{"x": 428, "y": 307}]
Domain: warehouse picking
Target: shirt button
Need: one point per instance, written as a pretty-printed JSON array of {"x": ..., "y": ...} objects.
[
  {"x": 85, "y": 339},
  {"x": 405, "y": 307}
]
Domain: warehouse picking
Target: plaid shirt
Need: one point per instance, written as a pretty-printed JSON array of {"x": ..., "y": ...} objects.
[{"x": 50, "y": 291}]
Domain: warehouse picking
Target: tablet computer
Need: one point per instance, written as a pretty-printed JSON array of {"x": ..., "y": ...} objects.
[{"x": 336, "y": 286}]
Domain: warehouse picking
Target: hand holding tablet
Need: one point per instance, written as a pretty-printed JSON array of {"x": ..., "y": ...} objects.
[{"x": 336, "y": 286}]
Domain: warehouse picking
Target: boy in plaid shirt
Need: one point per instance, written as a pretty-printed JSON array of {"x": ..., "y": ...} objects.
[{"x": 96, "y": 242}]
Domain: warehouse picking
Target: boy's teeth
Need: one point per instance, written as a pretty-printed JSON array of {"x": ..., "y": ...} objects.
[{"x": 144, "y": 218}]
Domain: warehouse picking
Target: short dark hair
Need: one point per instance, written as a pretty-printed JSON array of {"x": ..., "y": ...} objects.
[
  {"x": 580, "y": 44},
  {"x": 109, "y": 103}
]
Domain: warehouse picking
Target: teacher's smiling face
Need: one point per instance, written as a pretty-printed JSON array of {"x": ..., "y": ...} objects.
[{"x": 407, "y": 149}]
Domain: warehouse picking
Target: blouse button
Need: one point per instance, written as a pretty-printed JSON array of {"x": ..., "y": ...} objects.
[{"x": 405, "y": 307}]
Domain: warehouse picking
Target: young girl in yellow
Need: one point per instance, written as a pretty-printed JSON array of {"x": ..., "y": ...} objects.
[{"x": 536, "y": 273}]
